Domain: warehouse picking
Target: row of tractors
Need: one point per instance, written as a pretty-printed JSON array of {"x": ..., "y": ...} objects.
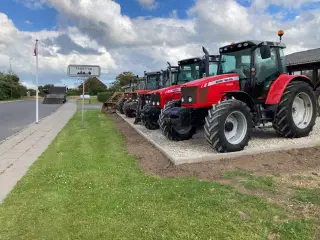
[{"x": 227, "y": 95}]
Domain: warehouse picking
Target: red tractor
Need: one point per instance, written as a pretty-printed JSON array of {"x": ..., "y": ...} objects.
[
  {"x": 168, "y": 78},
  {"x": 252, "y": 89},
  {"x": 152, "y": 82},
  {"x": 188, "y": 70}
]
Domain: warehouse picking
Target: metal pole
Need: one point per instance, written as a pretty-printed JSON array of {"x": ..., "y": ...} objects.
[
  {"x": 37, "y": 91},
  {"x": 83, "y": 103}
]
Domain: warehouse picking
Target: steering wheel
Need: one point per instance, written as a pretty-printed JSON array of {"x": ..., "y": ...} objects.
[{"x": 245, "y": 67}]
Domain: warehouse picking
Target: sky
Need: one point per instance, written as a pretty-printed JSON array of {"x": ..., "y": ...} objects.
[{"x": 138, "y": 35}]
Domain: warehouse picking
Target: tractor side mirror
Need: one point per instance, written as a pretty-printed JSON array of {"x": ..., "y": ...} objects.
[{"x": 265, "y": 51}]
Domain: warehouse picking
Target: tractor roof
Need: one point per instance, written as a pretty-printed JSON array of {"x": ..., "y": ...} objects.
[
  {"x": 248, "y": 44},
  {"x": 198, "y": 59},
  {"x": 152, "y": 73}
]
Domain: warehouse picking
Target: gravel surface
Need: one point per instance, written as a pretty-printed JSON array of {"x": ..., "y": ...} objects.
[{"x": 197, "y": 147}]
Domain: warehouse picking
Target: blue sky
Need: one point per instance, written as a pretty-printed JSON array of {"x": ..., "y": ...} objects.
[
  {"x": 47, "y": 18},
  {"x": 162, "y": 39}
]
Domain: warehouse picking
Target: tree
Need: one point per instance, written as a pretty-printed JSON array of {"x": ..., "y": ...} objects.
[
  {"x": 93, "y": 85},
  {"x": 124, "y": 78},
  {"x": 10, "y": 86}
]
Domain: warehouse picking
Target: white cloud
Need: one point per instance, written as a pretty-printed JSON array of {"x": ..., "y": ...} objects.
[
  {"x": 120, "y": 43},
  {"x": 148, "y": 4},
  {"x": 28, "y": 22}
]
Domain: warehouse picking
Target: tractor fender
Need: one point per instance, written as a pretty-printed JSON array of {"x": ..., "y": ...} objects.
[
  {"x": 241, "y": 96},
  {"x": 279, "y": 85}
]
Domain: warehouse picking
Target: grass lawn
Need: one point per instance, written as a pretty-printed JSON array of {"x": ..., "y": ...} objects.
[
  {"x": 86, "y": 186},
  {"x": 93, "y": 100}
]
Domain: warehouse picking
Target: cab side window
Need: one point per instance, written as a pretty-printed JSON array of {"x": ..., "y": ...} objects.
[{"x": 213, "y": 68}]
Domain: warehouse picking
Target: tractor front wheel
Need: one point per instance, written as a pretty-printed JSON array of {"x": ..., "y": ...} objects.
[
  {"x": 297, "y": 111},
  {"x": 171, "y": 132},
  {"x": 120, "y": 105},
  {"x": 127, "y": 109},
  {"x": 228, "y": 126}
]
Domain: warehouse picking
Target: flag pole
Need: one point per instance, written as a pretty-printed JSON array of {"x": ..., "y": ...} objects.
[{"x": 37, "y": 90}]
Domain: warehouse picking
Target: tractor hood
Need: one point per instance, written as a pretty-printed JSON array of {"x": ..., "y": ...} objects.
[
  {"x": 171, "y": 89},
  {"x": 143, "y": 91},
  {"x": 211, "y": 80}
]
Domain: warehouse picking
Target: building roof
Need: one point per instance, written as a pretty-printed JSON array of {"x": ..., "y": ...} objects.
[{"x": 304, "y": 57}]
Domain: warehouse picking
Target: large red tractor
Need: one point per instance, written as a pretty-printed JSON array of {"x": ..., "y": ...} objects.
[
  {"x": 252, "y": 89},
  {"x": 188, "y": 70}
]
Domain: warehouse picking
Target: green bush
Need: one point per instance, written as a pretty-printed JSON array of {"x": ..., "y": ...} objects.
[{"x": 104, "y": 96}]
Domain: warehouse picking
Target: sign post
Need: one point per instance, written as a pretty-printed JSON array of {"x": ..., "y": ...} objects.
[{"x": 83, "y": 71}]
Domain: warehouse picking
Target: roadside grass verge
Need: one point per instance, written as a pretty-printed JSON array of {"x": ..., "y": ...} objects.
[{"x": 86, "y": 186}]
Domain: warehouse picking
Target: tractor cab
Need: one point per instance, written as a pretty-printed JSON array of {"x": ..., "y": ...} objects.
[
  {"x": 169, "y": 76},
  {"x": 197, "y": 68},
  {"x": 257, "y": 63}
]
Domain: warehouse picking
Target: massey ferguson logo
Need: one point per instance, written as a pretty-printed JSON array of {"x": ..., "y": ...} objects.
[
  {"x": 223, "y": 80},
  {"x": 174, "y": 90}
]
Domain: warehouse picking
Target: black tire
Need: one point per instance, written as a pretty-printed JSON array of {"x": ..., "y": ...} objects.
[
  {"x": 215, "y": 124},
  {"x": 138, "y": 112},
  {"x": 317, "y": 92},
  {"x": 120, "y": 105},
  {"x": 169, "y": 131},
  {"x": 127, "y": 109},
  {"x": 283, "y": 122},
  {"x": 149, "y": 124}
]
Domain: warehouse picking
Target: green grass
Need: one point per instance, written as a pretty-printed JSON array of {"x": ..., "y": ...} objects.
[
  {"x": 307, "y": 195},
  {"x": 250, "y": 181},
  {"x": 93, "y": 100},
  {"x": 86, "y": 186}
]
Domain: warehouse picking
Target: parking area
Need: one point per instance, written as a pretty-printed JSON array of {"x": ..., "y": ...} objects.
[{"x": 198, "y": 150}]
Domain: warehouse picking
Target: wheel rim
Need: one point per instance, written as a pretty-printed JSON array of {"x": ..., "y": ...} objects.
[
  {"x": 182, "y": 130},
  {"x": 302, "y": 110},
  {"x": 235, "y": 127}
]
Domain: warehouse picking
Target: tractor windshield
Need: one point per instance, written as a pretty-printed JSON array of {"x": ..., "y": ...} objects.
[
  {"x": 188, "y": 72},
  {"x": 141, "y": 85},
  {"x": 152, "y": 82},
  {"x": 236, "y": 62}
]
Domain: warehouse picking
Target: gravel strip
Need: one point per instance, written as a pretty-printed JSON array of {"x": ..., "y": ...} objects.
[{"x": 263, "y": 140}]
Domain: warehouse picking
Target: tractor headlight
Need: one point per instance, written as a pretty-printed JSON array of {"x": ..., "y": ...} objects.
[
  {"x": 158, "y": 103},
  {"x": 182, "y": 99},
  {"x": 189, "y": 99},
  {"x": 153, "y": 103}
]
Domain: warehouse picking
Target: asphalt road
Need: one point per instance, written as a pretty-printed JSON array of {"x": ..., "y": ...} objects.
[{"x": 14, "y": 116}]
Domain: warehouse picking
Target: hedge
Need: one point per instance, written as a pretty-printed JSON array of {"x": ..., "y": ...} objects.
[{"x": 104, "y": 96}]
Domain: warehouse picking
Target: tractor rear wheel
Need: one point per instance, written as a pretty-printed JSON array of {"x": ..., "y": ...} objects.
[
  {"x": 175, "y": 133},
  {"x": 228, "y": 126},
  {"x": 297, "y": 111}
]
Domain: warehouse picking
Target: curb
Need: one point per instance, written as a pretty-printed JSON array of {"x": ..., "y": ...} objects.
[
  {"x": 221, "y": 156},
  {"x": 173, "y": 159}
]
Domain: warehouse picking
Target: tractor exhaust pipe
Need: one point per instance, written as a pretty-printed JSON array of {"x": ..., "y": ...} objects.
[{"x": 206, "y": 62}]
